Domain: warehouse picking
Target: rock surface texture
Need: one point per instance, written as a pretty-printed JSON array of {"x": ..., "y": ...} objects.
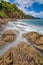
[
  {"x": 35, "y": 38},
  {"x": 22, "y": 54},
  {"x": 8, "y": 36}
]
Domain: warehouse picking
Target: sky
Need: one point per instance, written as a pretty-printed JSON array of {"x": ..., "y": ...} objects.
[{"x": 31, "y": 7}]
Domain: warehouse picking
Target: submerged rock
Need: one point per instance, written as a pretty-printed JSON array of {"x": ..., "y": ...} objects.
[
  {"x": 23, "y": 54},
  {"x": 35, "y": 38}
]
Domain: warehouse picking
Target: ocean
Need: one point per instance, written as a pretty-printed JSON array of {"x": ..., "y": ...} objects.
[
  {"x": 38, "y": 22},
  {"x": 33, "y": 24}
]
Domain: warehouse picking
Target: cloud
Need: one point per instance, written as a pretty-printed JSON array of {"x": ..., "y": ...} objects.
[
  {"x": 41, "y": 14},
  {"x": 33, "y": 13},
  {"x": 25, "y": 3},
  {"x": 39, "y": 1},
  {"x": 28, "y": 3}
]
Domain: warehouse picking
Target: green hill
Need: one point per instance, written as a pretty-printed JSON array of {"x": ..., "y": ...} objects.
[{"x": 8, "y": 10}]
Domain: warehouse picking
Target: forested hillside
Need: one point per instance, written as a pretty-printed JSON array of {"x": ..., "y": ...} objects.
[{"x": 8, "y": 10}]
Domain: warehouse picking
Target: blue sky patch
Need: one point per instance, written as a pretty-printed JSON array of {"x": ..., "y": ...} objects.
[
  {"x": 11, "y": 0},
  {"x": 35, "y": 7}
]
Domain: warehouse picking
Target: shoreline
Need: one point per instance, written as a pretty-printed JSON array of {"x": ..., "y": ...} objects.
[
  {"x": 2, "y": 21},
  {"x": 21, "y": 28}
]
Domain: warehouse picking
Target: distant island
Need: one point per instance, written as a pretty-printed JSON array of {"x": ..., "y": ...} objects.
[{"x": 8, "y": 10}]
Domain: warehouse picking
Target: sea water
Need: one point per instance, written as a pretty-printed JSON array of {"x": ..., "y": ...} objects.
[
  {"x": 33, "y": 24},
  {"x": 38, "y": 22}
]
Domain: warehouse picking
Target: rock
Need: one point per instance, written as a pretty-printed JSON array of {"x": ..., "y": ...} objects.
[
  {"x": 1, "y": 61},
  {"x": 8, "y": 38},
  {"x": 2, "y": 24},
  {"x": 40, "y": 47},
  {"x": 22, "y": 54},
  {"x": 34, "y": 38},
  {"x": 2, "y": 21},
  {"x": 39, "y": 41},
  {"x": 31, "y": 36},
  {"x": 2, "y": 43},
  {"x": 9, "y": 35}
]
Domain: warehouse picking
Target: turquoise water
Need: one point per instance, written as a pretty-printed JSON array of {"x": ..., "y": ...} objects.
[{"x": 34, "y": 21}]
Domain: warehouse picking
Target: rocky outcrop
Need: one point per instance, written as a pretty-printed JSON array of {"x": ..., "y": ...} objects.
[
  {"x": 23, "y": 54},
  {"x": 8, "y": 36},
  {"x": 35, "y": 38}
]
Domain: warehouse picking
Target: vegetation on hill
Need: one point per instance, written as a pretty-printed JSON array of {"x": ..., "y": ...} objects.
[{"x": 8, "y": 10}]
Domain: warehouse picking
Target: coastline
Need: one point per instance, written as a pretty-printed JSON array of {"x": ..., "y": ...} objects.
[
  {"x": 6, "y": 20},
  {"x": 22, "y": 28}
]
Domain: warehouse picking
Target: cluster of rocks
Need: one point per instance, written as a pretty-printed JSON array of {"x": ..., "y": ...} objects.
[
  {"x": 35, "y": 38},
  {"x": 8, "y": 36},
  {"x": 22, "y": 54}
]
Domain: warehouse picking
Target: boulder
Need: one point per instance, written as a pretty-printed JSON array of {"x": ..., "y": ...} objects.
[
  {"x": 31, "y": 36},
  {"x": 9, "y": 35},
  {"x": 34, "y": 38},
  {"x": 22, "y": 54}
]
